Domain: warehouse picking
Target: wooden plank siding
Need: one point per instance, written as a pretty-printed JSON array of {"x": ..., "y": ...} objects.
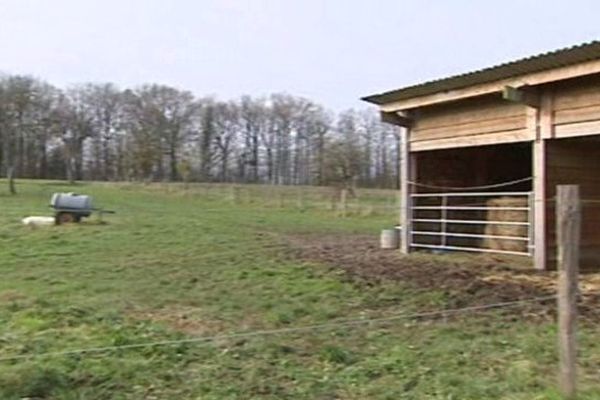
[
  {"x": 573, "y": 157},
  {"x": 487, "y": 121},
  {"x": 576, "y": 161},
  {"x": 577, "y": 108}
]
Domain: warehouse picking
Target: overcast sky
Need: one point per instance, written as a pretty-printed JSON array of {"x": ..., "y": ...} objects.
[{"x": 332, "y": 51}]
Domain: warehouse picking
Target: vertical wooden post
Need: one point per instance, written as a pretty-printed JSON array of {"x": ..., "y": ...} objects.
[
  {"x": 333, "y": 201},
  {"x": 344, "y": 202},
  {"x": 539, "y": 205},
  {"x": 300, "y": 198},
  {"x": 406, "y": 164},
  {"x": 234, "y": 194},
  {"x": 272, "y": 197},
  {"x": 568, "y": 230},
  {"x": 541, "y": 123},
  {"x": 10, "y": 175},
  {"x": 540, "y": 237}
]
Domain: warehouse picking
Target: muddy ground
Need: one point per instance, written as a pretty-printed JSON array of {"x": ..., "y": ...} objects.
[{"x": 466, "y": 280}]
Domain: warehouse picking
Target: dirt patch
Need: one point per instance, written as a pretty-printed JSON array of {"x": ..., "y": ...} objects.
[{"x": 466, "y": 280}]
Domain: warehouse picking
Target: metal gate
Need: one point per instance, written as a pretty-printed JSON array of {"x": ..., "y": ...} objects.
[{"x": 467, "y": 222}]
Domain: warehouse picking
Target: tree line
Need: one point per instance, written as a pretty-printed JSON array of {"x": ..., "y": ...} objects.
[{"x": 153, "y": 132}]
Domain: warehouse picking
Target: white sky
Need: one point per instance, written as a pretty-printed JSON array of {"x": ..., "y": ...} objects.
[{"x": 332, "y": 51}]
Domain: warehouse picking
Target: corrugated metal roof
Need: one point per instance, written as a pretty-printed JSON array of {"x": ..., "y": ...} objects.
[{"x": 541, "y": 62}]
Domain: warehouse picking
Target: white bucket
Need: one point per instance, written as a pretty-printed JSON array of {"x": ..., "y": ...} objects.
[{"x": 390, "y": 239}]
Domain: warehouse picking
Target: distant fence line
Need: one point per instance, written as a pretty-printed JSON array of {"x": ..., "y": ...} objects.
[{"x": 342, "y": 202}]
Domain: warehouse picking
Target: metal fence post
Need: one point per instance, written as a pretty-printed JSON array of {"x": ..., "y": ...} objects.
[
  {"x": 531, "y": 218},
  {"x": 444, "y": 218}
]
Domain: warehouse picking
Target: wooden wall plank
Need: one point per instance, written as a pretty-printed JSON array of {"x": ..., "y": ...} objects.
[
  {"x": 576, "y": 161},
  {"x": 470, "y": 118},
  {"x": 473, "y": 128},
  {"x": 577, "y": 109},
  {"x": 578, "y": 129},
  {"x": 580, "y": 114},
  {"x": 468, "y": 112},
  {"x": 515, "y": 136},
  {"x": 577, "y": 95}
]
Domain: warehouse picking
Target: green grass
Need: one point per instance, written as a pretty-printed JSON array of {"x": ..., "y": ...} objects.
[{"x": 176, "y": 263}]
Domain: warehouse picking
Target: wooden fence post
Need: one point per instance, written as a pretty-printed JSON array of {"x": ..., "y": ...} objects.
[
  {"x": 344, "y": 202},
  {"x": 333, "y": 201},
  {"x": 300, "y": 198},
  {"x": 568, "y": 231},
  {"x": 273, "y": 196},
  {"x": 10, "y": 175},
  {"x": 234, "y": 194}
]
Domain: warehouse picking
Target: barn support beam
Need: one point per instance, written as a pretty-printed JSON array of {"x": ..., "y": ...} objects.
[
  {"x": 542, "y": 119},
  {"x": 539, "y": 205},
  {"x": 408, "y": 174},
  {"x": 395, "y": 118},
  {"x": 521, "y": 95}
]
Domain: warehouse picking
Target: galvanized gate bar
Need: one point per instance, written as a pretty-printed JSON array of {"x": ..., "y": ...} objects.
[
  {"x": 471, "y": 235},
  {"x": 443, "y": 222},
  {"x": 470, "y": 194},
  {"x": 467, "y": 208},
  {"x": 470, "y": 222},
  {"x": 469, "y": 249}
]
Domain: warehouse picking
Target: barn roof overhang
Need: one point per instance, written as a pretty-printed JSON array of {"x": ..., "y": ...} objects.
[{"x": 567, "y": 63}]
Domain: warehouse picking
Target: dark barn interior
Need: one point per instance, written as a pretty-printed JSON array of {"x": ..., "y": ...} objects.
[{"x": 458, "y": 170}]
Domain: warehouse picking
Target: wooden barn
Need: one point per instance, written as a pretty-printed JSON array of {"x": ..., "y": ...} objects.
[{"x": 484, "y": 151}]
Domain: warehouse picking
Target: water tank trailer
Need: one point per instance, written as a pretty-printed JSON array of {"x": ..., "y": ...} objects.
[{"x": 72, "y": 207}]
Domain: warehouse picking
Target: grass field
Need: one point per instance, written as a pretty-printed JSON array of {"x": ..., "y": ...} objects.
[{"x": 175, "y": 264}]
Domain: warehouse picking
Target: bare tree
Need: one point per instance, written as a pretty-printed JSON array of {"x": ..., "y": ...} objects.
[
  {"x": 207, "y": 132},
  {"x": 227, "y": 122},
  {"x": 343, "y": 163},
  {"x": 18, "y": 125},
  {"x": 160, "y": 116},
  {"x": 105, "y": 105},
  {"x": 253, "y": 115},
  {"x": 156, "y": 132}
]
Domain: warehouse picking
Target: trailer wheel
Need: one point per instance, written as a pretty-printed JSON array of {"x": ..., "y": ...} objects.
[{"x": 65, "y": 218}]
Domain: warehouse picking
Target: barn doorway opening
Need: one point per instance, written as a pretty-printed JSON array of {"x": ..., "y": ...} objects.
[
  {"x": 474, "y": 199},
  {"x": 476, "y": 166}
]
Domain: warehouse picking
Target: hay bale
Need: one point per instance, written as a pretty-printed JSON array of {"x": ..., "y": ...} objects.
[
  {"x": 506, "y": 230},
  {"x": 450, "y": 228}
]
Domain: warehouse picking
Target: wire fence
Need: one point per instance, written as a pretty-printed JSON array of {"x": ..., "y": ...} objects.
[
  {"x": 341, "y": 201},
  {"x": 285, "y": 331},
  {"x": 303, "y": 199}
]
